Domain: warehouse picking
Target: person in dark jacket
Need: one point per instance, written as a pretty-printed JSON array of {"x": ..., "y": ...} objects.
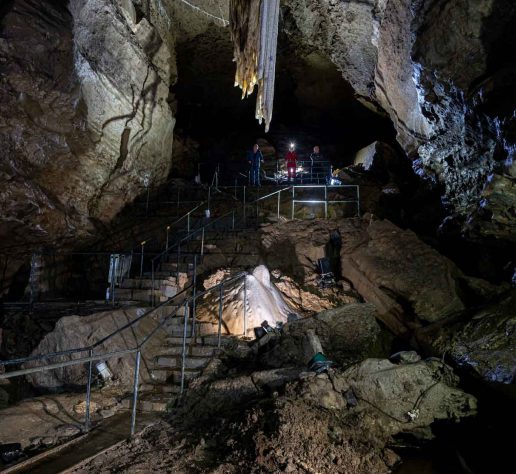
[
  {"x": 319, "y": 169},
  {"x": 255, "y": 159}
]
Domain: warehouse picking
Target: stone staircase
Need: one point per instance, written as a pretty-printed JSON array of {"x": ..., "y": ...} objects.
[{"x": 164, "y": 386}]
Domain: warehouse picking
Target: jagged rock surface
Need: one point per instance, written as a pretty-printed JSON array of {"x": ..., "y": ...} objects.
[
  {"x": 486, "y": 345},
  {"x": 435, "y": 70},
  {"x": 346, "y": 334}
]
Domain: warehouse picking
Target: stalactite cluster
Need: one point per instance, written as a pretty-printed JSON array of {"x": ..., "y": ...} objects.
[{"x": 254, "y": 31}]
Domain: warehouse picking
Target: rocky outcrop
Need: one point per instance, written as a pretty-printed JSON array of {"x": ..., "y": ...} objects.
[
  {"x": 486, "y": 345},
  {"x": 82, "y": 331},
  {"x": 425, "y": 64},
  {"x": 84, "y": 114},
  {"x": 401, "y": 275},
  {"x": 346, "y": 334},
  {"x": 409, "y": 282}
]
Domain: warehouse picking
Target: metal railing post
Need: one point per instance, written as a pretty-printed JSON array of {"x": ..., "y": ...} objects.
[
  {"x": 244, "y": 207},
  {"x": 135, "y": 391},
  {"x": 188, "y": 222},
  {"x": 358, "y": 201},
  {"x": 88, "y": 394},
  {"x": 177, "y": 269},
  {"x": 141, "y": 258},
  {"x": 221, "y": 301},
  {"x": 209, "y": 198},
  {"x": 279, "y": 199},
  {"x": 113, "y": 277},
  {"x": 245, "y": 305},
  {"x": 153, "y": 285},
  {"x": 202, "y": 242},
  {"x": 293, "y": 199},
  {"x": 166, "y": 245},
  {"x": 325, "y": 202},
  {"x": 194, "y": 296},
  {"x": 183, "y": 353}
]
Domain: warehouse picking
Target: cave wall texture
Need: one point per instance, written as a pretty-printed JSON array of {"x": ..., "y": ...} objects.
[
  {"x": 437, "y": 69},
  {"x": 84, "y": 113},
  {"x": 86, "y": 110}
]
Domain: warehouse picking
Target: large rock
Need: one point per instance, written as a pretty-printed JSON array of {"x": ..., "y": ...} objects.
[
  {"x": 346, "y": 334},
  {"x": 409, "y": 282},
  {"x": 424, "y": 392},
  {"x": 82, "y": 331},
  {"x": 405, "y": 278},
  {"x": 486, "y": 345}
]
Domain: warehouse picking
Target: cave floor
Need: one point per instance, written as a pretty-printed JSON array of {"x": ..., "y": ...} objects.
[
  {"x": 52, "y": 426},
  {"x": 84, "y": 448}
]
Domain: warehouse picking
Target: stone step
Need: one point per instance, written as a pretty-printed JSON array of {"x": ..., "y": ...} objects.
[
  {"x": 171, "y": 375},
  {"x": 150, "y": 402},
  {"x": 192, "y": 350},
  {"x": 146, "y": 283},
  {"x": 136, "y": 295},
  {"x": 161, "y": 274},
  {"x": 210, "y": 340},
  {"x": 175, "y": 362},
  {"x": 176, "y": 341},
  {"x": 170, "y": 389},
  {"x": 201, "y": 327},
  {"x": 172, "y": 266},
  {"x": 177, "y": 331}
]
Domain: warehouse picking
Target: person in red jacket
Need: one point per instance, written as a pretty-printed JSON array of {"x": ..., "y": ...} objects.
[{"x": 291, "y": 160}]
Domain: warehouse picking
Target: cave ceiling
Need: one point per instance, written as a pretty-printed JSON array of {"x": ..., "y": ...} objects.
[{"x": 87, "y": 112}]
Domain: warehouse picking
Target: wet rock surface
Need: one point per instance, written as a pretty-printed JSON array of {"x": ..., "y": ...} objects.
[{"x": 486, "y": 345}]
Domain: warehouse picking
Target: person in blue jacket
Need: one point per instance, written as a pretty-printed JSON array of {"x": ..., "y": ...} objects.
[{"x": 255, "y": 159}]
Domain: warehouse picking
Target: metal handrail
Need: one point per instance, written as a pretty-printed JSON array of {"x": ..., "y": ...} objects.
[
  {"x": 202, "y": 229},
  {"x": 134, "y": 350},
  {"x": 94, "y": 345},
  {"x": 325, "y": 201},
  {"x": 137, "y": 349}
]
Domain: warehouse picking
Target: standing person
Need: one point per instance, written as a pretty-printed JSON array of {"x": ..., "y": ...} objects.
[
  {"x": 291, "y": 160},
  {"x": 254, "y": 158},
  {"x": 316, "y": 164}
]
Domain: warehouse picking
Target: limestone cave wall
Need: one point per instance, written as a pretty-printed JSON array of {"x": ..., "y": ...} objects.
[
  {"x": 436, "y": 68},
  {"x": 85, "y": 117}
]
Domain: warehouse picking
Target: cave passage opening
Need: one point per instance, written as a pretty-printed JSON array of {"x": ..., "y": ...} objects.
[{"x": 313, "y": 105}]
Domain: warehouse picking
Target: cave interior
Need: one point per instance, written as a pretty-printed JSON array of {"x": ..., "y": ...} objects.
[{"x": 127, "y": 190}]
